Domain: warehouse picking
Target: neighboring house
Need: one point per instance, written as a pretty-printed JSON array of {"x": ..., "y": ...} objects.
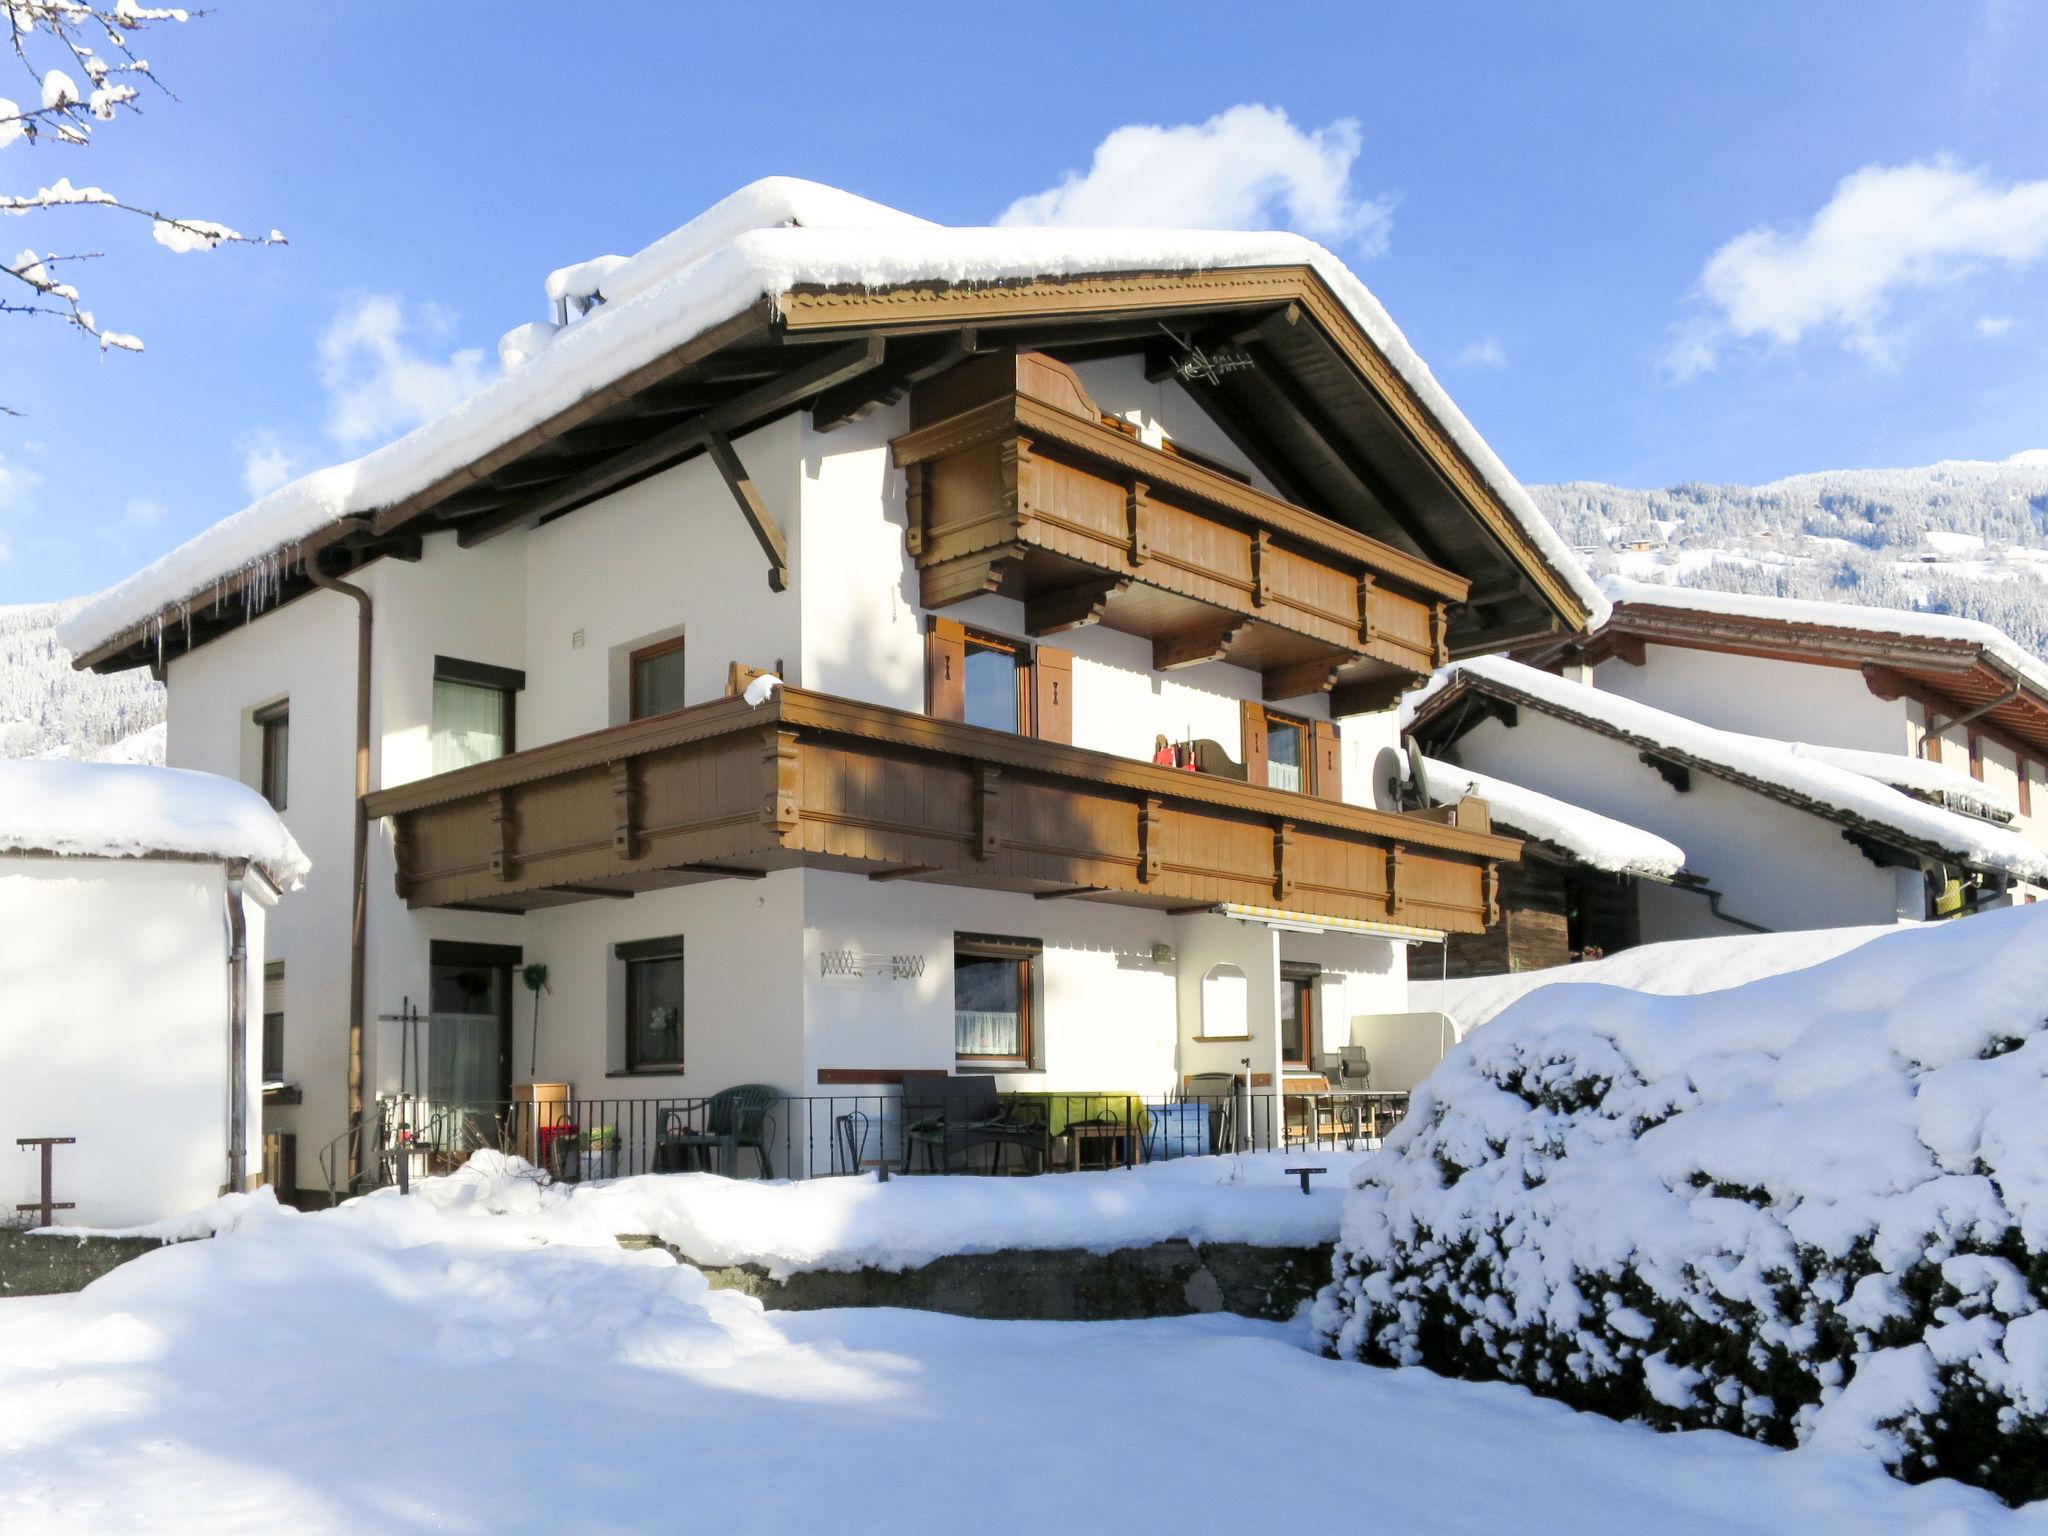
[
  {"x": 1575, "y": 895},
  {"x": 132, "y": 915},
  {"x": 1776, "y": 835},
  {"x": 1947, "y": 691},
  {"x": 1002, "y": 510}
]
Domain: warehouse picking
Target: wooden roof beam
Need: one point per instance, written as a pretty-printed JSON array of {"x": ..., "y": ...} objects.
[
  {"x": 680, "y": 442},
  {"x": 910, "y": 361},
  {"x": 764, "y": 526}
]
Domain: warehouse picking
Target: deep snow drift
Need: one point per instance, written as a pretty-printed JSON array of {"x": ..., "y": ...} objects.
[
  {"x": 1810, "y": 1209},
  {"x": 401, "y": 1367}
]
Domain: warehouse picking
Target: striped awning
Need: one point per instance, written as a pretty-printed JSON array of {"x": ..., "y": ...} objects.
[{"x": 1281, "y": 917}]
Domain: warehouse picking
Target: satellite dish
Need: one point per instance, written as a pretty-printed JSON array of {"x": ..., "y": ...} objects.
[{"x": 1416, "y": 775}]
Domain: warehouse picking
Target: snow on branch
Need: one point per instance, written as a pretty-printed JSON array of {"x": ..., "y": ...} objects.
[{"x": 82, "y": 71}]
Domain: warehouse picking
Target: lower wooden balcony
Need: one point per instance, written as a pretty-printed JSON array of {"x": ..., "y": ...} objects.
[{"x": 726, "y": 790}]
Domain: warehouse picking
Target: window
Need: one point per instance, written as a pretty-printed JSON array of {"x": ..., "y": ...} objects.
[
  {"x": 275, "y": 724},
  {"x": 995, "y": 684},
  {"x": 994, "y": 985},
  {"x": 654, "y": 1004},
  {"x": 998, "y": 683},
  {"x": 2026, "y": 786},
  {"x": 273, "y": 1022},
  {"x": 1286, "y": 752},
  {"x": 475, "y": 707},
  {"x": 655, "y": 674},
  {"x": 1297, "y": 1015},
  {"x": 1976, "y": 757}
]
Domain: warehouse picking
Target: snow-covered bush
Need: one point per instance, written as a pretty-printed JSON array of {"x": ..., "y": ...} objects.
[{"x": 1813, "y": 1208}]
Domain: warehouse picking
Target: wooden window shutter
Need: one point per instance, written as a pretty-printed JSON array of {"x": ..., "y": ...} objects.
[
  {"x": 1253, "y": 718},
  {"x": 945, "y": 670},
  {"x": 1327, "y": 754},
  {"x": 1052, "y": 689}
]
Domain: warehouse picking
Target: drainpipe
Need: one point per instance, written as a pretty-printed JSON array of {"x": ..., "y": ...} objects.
[
  {"x": 2005, "y": 698},
  {"x": 238, "y": 1032},
  {"x": 359, "y": 866}
]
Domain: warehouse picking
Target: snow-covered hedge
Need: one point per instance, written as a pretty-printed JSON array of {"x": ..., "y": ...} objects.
[{"x": 1809, "y": 1209}]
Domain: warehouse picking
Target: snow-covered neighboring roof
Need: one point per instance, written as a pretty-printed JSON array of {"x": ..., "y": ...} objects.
[
  {"x": 1920, "y": 778},
  {"x": 128, "y": 810},
  {"x": 1593, "y": 839},
  {"x": 759, "y": 243},
  {"x": 1774, "y": 766},
  {"x": 1855, "y": 617}
]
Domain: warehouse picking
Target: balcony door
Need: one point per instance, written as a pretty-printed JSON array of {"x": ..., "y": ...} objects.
[{"x": 469, "y": 1031}]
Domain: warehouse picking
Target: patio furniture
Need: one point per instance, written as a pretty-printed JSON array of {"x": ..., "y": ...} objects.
[
  {"x": 869, "y": 1139},
  {"x": 733, "y": 1118},
  {"x": 1218, "y": 1090},
  {"x": 949, "y": 1118},
  {"x": 1177, "y": 1130}
]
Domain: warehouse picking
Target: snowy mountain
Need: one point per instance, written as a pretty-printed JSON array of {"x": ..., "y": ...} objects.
[
  {"x": 48, "y": 710},
  {"x": 1962, "y": 537}
]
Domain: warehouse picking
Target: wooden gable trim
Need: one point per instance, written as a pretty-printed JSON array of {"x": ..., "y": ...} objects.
[{"x": 942, "y": 307}]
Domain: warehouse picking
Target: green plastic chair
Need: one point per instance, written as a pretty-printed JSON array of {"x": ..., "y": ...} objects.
[{"x": 733, "y": 1118}]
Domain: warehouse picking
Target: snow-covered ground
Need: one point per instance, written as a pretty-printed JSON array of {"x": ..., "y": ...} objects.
[
  {"x": 402, "y": 1367},
  {"x": 1679, "y": 968}
]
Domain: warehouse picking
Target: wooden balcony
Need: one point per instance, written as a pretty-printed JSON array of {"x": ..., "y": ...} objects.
[
  {"x": 725, "y": 790},
  {"x": 1019, "y": 485}
]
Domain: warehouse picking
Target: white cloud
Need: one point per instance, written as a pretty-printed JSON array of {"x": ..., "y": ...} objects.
[
  {"x": 1487, "y": 352},
  {"x": 378, "y": 363},
  {"x": 1246, "y": 168},
  {"x": 266, "y": 462},
  {"x": 1886, "y": 232},
  {"x": 143, "y": 512},
  {"x": 1993, "y": 325}
]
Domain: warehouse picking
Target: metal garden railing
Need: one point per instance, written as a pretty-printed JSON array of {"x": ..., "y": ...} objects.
[{"x": 820, "y": 1136}]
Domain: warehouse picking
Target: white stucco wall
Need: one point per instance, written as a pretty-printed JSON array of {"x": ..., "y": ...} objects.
[
  {"x": 114, "y": 1030},
  {"x": 1793, "y": 701},
  {"x": 1775, "y": 865}
]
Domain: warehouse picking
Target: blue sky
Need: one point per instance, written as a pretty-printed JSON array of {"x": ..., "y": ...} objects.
[{"x": 1626, "y": 236}]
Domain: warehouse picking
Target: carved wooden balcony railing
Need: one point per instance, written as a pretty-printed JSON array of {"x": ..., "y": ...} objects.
[
  {"x": 726, "y": 790},
  {"x": 1019, "y": 485}
]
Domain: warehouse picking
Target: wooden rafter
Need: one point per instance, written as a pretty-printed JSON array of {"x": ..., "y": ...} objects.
[
  {"x": 679, "y": 442},
  {"x": 764, "y": 526}
]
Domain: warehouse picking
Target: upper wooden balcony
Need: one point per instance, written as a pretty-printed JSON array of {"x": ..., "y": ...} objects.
[
  {"x": 726, "y": 790},
  {"x": 1019, "y": 485}
]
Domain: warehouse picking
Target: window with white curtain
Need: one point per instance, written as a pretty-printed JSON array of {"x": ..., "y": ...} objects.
[{"x": 473, "y": 712}]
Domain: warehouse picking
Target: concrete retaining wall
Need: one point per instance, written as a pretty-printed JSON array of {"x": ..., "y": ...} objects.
[
  {"x": 1055, "y": 1284},
  {"x": 51, "y": 1266}
]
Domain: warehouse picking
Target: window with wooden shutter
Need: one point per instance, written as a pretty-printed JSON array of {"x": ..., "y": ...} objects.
[
  {"x": 1052, "y": 687},
  {"x": 945, "y": 670},
  {"x": 1326, "y": 760},
  {"x": 1253, "y": 730}
]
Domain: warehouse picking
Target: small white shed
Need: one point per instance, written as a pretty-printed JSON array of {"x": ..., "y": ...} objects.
[{"x": 132, "y": 904}]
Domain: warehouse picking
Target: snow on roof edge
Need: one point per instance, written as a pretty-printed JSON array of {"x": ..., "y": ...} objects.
[
  {"x": 1596, "y": 840},
  {"x": 756, "y": 264},
  {"x": 131, "y": 810},
  {"x": 1906, "y": 623},
  {"x": 1762, "y": 758}
]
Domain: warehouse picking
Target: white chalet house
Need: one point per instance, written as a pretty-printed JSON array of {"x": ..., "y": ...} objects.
[
  {"x": 1814, "y": 765},
  {"x": 1090, "y": 565}
]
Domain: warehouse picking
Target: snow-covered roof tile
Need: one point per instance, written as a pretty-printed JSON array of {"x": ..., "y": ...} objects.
[
  {"x": 128, "y": 810},
  {"x": 1593, "y": 839},
  {"x": 1918, "y": 777},
  {"x": 761, "y": 242},
  {"x": 1776, "y": 766}
]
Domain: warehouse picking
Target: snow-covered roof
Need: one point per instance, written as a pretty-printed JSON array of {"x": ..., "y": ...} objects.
[
  {"x": 1920, "y": 778},
  {"x": 1592, "y": 839},
  {"x": 1854, "y": 617},
  {"x": 761, "y": 242},
  {"x": 1775, "y": 767},
  {"x": 129, "y": 810}
]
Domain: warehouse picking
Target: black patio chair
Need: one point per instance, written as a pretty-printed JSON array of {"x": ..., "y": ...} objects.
[
  {"x": 948, "y": 1118},
  {"x": 732, "y": 1118},
  {"x": 1218, "y": 1090}
]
